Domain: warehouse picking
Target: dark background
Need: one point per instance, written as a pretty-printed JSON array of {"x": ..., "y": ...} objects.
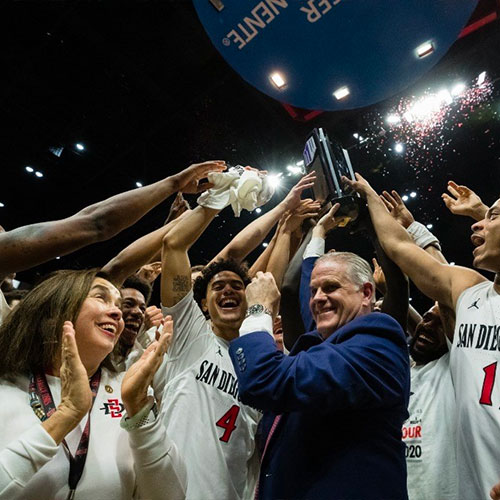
[{"x": 142, "y": 88}]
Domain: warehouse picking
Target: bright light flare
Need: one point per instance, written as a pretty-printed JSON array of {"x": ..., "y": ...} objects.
[
  {"x": 30, "y": 169},
  {"x": 258, "y": 210},
  {"x": 341, "y": 93},
  {"x": 138, "y": 184},
  {"x": 405, "y": 197},
  {"x": 481, "y": 78},
  {"x": 458, "y": 89},
  {"x": 278, "y": 80},
  {"x": 1, "y": 205},
  {"x": 393, "y": 119},
  {"x": 275, "y": 180},
  {"x": 413, "y": 194},
  {"x": 399, "y": 148},
  {"x": 38, "y": 174},
  {"x": 425, "y": 49},
  {"x": 80, "y": 146}
]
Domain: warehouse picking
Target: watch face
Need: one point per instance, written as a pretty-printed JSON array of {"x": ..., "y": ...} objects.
[{"x": 255, "y": 309}]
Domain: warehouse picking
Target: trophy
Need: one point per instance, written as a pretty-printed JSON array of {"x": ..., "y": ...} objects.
[{"x": 330, "y": 161}]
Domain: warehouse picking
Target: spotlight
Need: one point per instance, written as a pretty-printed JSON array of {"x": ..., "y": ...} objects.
[
  {"x": 1, "y": 205},
  {"x": 275, "y": 180},
  {"x": 38, "y": 174},
  {"x": 445, "y": 96},
  {"x": 393, "y": 119},
  {"x": 458, "y": 89},
  {"x": 452, "y": 263},
  {"x": 481, "y": 78},
  {"x": 30, "y": 169},
  {"x": 425, "y": 49},
  {"x": 355, "y": 135},
  {"x": 341, "y": 93},
  {"x": 265, "y": 244},
  {"x": 80, "y": 146},
  {"x": 300, "y": 163},
  {"x": 258, "y": 210},
  {"x": 405, "y": 197},
  {"x": 138, "y": 184},
  {"x": 399, "y": 148},
  {"x": 294, "y": 170},
  {"x": 278, "y": 80},
  {"x": 413, "y": 194},
  {"x": 429, "y": 226}
]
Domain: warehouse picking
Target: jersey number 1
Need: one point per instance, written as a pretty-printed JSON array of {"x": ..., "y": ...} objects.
[
  {"x": 227, "y": 422},
  {"x": 488, "y": 383}
]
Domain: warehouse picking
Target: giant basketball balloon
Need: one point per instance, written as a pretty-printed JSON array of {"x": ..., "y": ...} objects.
[{"x": 333, "y": 54}]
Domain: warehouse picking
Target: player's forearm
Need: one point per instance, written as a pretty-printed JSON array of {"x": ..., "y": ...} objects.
[
  {"x": 391, "y": 235},
  {"x": 280, "y": 256},
  {"x": 247, "y": 240},
  {"x": 189, "y": 228},
  {"x": 122, "y": 210},
  {"x": 262, "y": 260}
]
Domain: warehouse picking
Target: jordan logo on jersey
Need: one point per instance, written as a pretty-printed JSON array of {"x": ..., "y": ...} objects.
[{"x": 474, "y": 304}]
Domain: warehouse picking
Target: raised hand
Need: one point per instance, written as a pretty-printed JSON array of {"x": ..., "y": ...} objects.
[
  {"x": 263, "y": 290},
  {"x": 187, "y": 181},
  {"x": 149, "y": 272},
  {"x": 178, "y": 207},
  {"x": 76, "y": 396},
  {"x": 397, "y": 208},
  {"x": 379, "y": 277},
  {"x": 139, "y": 376},
  {"x": 360, "y": 185},
  {"x": 292, "y": 199},
  {"x": 152, "y": 317},
  {"x": 464, "y": 201},
  {"x": 327, "y": 222},
  {"x": 495, "y": 492},
  {"x": 306, "y": 209}
]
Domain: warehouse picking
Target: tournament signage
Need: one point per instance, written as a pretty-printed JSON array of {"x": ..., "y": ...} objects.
[{"x": 332, "y": 54}]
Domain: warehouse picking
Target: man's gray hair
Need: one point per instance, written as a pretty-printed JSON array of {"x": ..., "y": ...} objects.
[{"x": 358, "y": 269}]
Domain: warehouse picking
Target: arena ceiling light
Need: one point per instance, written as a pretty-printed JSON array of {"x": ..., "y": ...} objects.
[
  {"x": 278, "y": 80},
  {"x": 399, "y": 148},
  {"x": 424, "y": 50},
  {"x": 393, "y": 119},
  {"x": 79, "y": 146},
  {"x": 341, "y": 93},
  {"x": 29, "y": 169},
  {"x": 481, "y": 78},
  {"x": 138, "y": 184},
  {"x": 458, "y": 89},
  {"x": 38, "y": 173},
  {"x": 258, "y": 210},
  {"x": 1, "y": 205}
]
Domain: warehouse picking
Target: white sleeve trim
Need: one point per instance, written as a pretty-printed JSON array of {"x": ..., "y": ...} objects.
[
  {"x": 315, "y": 248},
  {"x": 257, "y": 323}
]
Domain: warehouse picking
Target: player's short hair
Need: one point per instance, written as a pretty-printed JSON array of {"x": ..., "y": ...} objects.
[
  {"x": 208, "y": 272},
  {"x": 198, "y": 268},
  {"x": 358, "y": 269},
  {"x": 139, "y": 284}
]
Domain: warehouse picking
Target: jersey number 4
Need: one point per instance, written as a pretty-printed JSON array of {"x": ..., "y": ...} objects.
[
  {"x": 227, "y": 422},
  {"x": 488, "y": 383}
]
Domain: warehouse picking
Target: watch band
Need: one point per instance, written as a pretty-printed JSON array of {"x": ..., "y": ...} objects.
[{"x": 256, "y": 309}]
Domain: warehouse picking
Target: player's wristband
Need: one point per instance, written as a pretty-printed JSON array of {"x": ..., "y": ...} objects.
[
  {"x": 422, "y": 236},
  {"x": 146, "y": 415}
]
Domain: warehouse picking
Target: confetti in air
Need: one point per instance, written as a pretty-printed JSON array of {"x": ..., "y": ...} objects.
[{"x": 421, "y": 127}]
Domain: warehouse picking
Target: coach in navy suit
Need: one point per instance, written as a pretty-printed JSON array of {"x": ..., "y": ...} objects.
[{"x": 335, "y": 406}]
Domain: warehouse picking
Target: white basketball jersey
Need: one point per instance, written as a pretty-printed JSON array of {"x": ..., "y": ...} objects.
[
  {"x": 213, "y": 430},
  {"x": 430, "y": 433},
  {"x": 474, "y": 361}
]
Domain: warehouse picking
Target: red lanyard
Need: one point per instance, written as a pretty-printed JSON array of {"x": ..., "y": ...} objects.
[{"x": 42, "y": 402}]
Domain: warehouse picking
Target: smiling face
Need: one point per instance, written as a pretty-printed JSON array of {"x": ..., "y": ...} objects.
[
  {"x": 486, "y": 238},
  {"x": 429, "y": 341},
  {"x": 226, "y": 303},
  {"x": 99, "y": 323},
  {"x": 335, "y": 299},
  {"x": 133, "y": 309}
]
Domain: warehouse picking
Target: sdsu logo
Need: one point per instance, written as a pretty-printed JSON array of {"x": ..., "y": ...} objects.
[{"x": 113, "y": 407}]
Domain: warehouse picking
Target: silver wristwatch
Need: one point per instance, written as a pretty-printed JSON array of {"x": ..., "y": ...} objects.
[{"x": 257, "y": 309}]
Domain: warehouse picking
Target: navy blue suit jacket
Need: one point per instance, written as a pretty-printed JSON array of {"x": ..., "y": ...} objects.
[{"x": 343, "y": 401}]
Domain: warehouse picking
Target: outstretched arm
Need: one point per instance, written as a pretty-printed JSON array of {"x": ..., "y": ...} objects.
[
  {"x": 31, "y": 245},
  {"x": 176, "y": 270},
  {"x": 439, "y": 281},
  {"x": 464, "y": 201},
  {"x": 137, "y": 254}
]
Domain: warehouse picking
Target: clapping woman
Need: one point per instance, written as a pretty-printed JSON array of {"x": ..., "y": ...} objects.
[{"x": 70, "y": 427}]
